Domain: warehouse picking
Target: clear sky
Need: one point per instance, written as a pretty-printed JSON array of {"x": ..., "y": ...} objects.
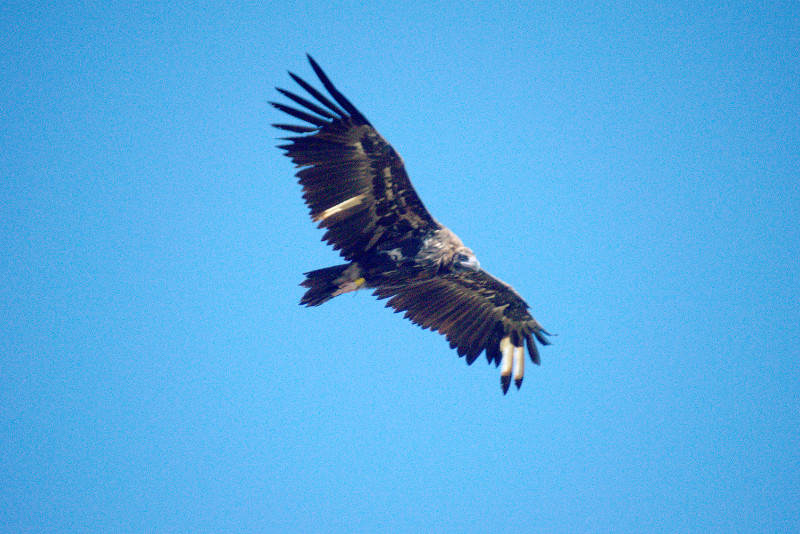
[{"x": 631, "y": 169}]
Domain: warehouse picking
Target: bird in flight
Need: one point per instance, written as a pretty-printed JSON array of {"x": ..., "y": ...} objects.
[{"x": 357, "y": 189}]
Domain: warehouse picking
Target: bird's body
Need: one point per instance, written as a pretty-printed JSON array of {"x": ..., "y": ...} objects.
[{"x": 357, "y": 188}]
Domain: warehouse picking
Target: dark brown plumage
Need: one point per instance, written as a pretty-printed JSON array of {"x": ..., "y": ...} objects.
[{"x": 357, "y": 188}]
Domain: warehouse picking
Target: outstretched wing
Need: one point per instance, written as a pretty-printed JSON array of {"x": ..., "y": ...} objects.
[
  {"x": 353, "y": 180},
  {"x": 476, "y": 312}
]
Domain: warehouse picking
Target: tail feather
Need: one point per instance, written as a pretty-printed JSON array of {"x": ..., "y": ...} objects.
[{"x": 324, "y": 284}]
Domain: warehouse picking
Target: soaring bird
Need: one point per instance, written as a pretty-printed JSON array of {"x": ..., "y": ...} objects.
[{"x": 357, "y": 189}]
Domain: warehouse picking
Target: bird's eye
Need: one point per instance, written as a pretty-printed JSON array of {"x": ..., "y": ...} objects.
[{"x": 462, "y": 258}]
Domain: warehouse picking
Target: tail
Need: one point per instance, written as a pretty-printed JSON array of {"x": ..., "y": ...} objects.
[{"x": 324, "y": 284}]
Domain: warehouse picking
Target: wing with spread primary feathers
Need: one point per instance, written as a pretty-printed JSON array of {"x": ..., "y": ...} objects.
[
  {"x": 357, "y": 188},
  {"x": 353, "y": 181},
  {"x": 476, "y": 312}
]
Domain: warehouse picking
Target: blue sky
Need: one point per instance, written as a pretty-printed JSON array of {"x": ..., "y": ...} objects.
[{"x": 631, "y": 169}]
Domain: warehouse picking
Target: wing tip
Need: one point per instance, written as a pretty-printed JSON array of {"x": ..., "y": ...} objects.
[
  {"x": 354, "y": 113},
  {"x": 533, "y": 350},
  {"x": 505, "y": 382}
]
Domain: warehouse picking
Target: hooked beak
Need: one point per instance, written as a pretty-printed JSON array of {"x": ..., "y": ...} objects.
[{"x": 471, "y": 262}]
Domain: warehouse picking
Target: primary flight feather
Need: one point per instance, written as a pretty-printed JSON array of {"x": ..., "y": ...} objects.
[{"x": 357, "y": 188}]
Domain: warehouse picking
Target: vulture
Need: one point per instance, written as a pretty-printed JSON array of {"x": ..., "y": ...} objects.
[{"x": 357, "y": 189}]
